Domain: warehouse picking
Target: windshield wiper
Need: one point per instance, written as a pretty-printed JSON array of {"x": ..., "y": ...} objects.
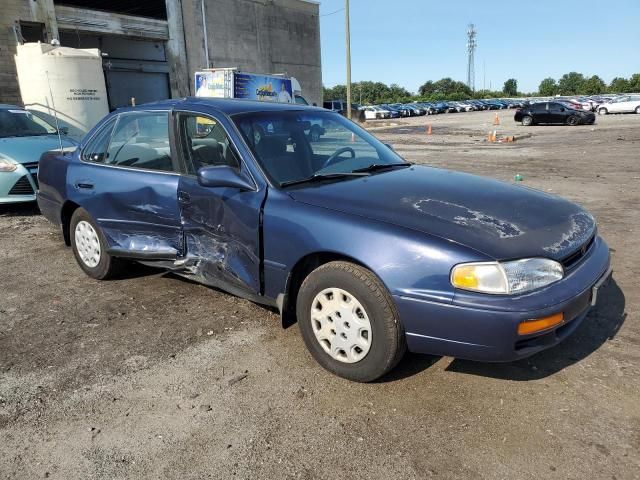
[
  {"x": 324, "y": 176},
  {"x": 374, "y": 167}
]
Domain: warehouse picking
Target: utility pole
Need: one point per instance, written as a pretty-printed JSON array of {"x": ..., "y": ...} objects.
[
  {"x": 346, "y": 10},
  {"x": 484, "y": 75}
]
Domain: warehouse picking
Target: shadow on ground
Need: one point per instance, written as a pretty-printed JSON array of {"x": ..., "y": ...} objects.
[
  {"x": 601, "y": 324},
  {"x": 27, "y": 209}
]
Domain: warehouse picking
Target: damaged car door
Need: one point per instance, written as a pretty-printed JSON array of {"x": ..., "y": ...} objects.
[
  {"x": 220, "y": 207},
  {"x": 128, "y": 181}
]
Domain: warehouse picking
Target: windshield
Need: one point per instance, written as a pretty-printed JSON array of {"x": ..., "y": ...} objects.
[
  {"x": 292, "y": 146},
  {"x": 20, "y": 123}
]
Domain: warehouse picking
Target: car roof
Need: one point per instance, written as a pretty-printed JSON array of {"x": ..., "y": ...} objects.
[{"x": 228, "y": 106}]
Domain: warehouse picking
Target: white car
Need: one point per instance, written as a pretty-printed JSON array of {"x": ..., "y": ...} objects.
[
  {"x": 375, "y": 113},
  {"x": 624, "y": 104}
]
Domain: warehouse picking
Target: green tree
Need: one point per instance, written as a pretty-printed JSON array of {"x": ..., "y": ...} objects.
[
  {"x": 427, "y": 89},
  {"x": 510, "y": 87},
  {"x": 339, "y": 92},
  {"x": 619, "y": 85},
  {"x": 593, "y": 86},
  {"x": 570, "y": 83},
  {"x": 634, "y": 83},
  {"x": 548, "y": 87}
]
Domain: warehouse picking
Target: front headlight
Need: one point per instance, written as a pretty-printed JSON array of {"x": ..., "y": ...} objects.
[
  {"x": 513, "y": 277},
  {"x": 7, "y": 165}
]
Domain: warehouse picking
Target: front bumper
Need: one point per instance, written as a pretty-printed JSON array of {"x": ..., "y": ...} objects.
[
  {"x": 20, "y": 185},
  {"x": 473, "y": 328}
]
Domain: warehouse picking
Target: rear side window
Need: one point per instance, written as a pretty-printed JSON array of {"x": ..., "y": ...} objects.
[
  {"x": 96, "y": 148},
  {"x": 141, "y": 140}
]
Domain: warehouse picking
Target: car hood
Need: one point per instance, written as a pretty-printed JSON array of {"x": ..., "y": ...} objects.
[
  {"x": 29, "y": 149},
  {"x": 501, "y": 220}
]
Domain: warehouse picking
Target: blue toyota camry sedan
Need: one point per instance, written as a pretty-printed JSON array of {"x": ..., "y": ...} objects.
[{"x": 370, "y": 254}]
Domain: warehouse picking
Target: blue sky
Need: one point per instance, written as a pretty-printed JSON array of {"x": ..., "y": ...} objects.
[{"x": 410, "y": 41}]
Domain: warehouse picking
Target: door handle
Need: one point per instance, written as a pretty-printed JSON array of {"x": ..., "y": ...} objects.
[
  {"x": 184, "y": 198},
  {"x": 84, "y": 185}
]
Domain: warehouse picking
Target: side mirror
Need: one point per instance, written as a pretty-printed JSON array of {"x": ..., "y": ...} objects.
[{"x": 223, "y": 176}]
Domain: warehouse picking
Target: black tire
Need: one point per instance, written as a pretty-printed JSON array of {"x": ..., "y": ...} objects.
[
  {"x": 388, "y": 342},
  {"x": 527, "y": 120},
  {"x": 603, "y": 111},
  {"x": 573, "y": 120},
  {"x": 108, "y": 266},
  {"x": 638, "y": 110}
]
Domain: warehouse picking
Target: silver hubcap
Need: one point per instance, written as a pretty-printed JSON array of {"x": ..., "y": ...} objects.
[
  {"x": 341, "y": 325},
  {"x": 87, "y": 244}
]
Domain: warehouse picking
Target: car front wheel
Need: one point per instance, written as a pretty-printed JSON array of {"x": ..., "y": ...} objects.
[
  {"x": 573, "y": 120},
  {"x": 638, "y": 109},
  {"x": 349, "y": 322},
  {"x": 602, "y": 111},
  {"x": 527, "y": 120},
  {"x": 90, "y": 247}
]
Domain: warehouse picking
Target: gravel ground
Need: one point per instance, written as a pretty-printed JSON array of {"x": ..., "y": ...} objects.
[{"x": 152, "y": 376}]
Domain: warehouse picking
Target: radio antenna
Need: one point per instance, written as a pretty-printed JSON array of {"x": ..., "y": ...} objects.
[{"x": 55, "y": 114}]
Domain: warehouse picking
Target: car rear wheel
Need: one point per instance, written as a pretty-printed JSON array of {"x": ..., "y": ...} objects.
[
  {"x": 638, "y": 110},
  {"x": 90, "y": 247},
  {"x": 527, "y": 120},
  {"x": 602, "y": 111},
  {"x": 349, "y": 322},
  {"x": 573, "y": 120}
]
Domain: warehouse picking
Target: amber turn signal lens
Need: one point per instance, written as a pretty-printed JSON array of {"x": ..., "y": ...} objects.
[{"x": 532, "y": 326}]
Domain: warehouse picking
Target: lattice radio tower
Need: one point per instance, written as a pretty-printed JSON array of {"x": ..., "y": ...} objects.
[{"x": 471, "y": 48}]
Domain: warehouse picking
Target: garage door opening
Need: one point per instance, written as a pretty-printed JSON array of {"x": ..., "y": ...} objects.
[{"x": 133, "y": 68}]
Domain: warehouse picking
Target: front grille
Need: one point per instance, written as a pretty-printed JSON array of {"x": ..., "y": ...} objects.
[
  {"x": 32, "y": 168},
  {"x": 22, "y": 187},
  {"x": 573, "y": 259}
]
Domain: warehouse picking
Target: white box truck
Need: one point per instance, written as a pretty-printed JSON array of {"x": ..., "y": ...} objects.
[{"x": 231, "y": 83}]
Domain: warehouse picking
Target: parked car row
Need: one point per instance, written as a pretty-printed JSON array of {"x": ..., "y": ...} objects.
[
  {"x": 397, "y": 110},
  {"x": 602, "y": 104}
]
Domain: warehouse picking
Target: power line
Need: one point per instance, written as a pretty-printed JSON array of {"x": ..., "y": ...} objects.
[{"x": 332, "y": 13}]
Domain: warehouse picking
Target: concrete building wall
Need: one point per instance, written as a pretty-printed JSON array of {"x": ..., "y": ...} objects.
[
  {"x": 264, "y": 36},
  {"x": 12, "y": 10}
]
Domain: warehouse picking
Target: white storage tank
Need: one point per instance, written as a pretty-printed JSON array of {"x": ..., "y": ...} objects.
[{"x": 69, "y": 81}]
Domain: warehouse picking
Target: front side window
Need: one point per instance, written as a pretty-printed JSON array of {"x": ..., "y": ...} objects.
[
  {"x": 141, "y": 140},
  {"x": 204, "y": 143},
  {"x": 286, "y": 148}
]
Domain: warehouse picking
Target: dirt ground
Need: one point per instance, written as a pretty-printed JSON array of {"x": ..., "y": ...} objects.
[{"x": 155, "y": 377}]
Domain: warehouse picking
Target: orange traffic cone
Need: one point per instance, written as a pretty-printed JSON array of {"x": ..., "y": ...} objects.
[
  {"x": 429, "y": 129},
  {"x": 496, "y": 120}
]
